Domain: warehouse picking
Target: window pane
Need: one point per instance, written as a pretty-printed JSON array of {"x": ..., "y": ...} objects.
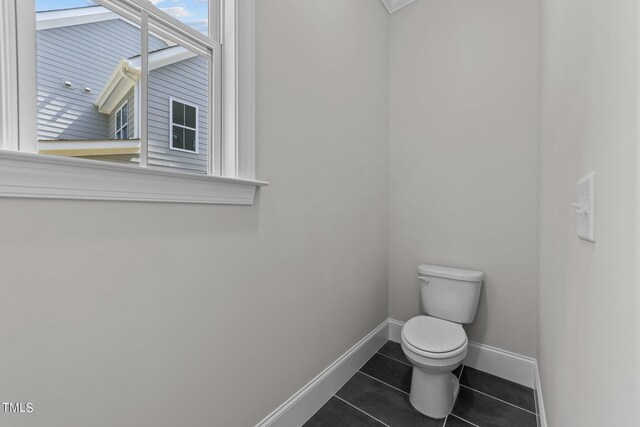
[
  {"x": 86, "y": 70},
  {"x": 178, "y": 113},
  {"x": 43, "y": 5},
  {"x": 190, "y": 116},
  {"x": 178, "y": 137},
  {"x": 178, "y": 80},
  {"x": 194, "y": 13},
  {"x": 190, "y": 140}
]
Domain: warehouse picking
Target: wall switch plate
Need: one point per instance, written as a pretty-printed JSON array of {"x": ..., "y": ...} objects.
[{"x": 585, "y": 208}]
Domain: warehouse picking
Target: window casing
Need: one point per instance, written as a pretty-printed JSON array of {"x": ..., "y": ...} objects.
[
  {"x": 232, "y": 94},
  {"x": 184, "y": 126}
]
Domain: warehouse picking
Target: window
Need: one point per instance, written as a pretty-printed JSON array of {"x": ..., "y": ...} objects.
[
  {"x": 122, "y": 122},
  {"x": 114, "y": 100},
  {"x": 184, "y": 126}
]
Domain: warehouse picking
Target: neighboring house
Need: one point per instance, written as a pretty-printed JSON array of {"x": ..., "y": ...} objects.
[{"x": 88, "y": 65}]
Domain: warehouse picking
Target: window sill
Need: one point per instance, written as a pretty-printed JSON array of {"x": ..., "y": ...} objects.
[{"x": 27, "y": 175}]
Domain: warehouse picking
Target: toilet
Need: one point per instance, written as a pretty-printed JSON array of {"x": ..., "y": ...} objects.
[{"x": 436, "y": 344}]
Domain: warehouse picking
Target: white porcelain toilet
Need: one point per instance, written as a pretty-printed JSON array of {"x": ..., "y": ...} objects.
[{"x": 436, "y": 344}]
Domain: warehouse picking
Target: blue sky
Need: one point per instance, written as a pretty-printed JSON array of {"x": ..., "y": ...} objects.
[{"x": 191, "y": 12}]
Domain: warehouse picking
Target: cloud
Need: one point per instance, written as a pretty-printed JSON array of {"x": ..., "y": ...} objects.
[
  {"x": 155, "y": 1},
  {"x": 177, "y": 11},
  {"x": 201, "y": 25},
  {"x": 198, "y": 21}
]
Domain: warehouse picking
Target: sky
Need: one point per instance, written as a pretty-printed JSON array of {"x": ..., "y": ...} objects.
[{"x": 191, "y": 12}]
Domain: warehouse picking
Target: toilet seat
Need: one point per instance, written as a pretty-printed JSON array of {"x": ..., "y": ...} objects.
[{"x": 434, "y": 338}]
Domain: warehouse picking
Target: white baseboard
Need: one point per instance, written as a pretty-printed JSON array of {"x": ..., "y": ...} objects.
[
  {"x": 395, "y": 329},
  {"x": 501, "y": 363},
  {"x": 306, "y": 402},
  {"x": 542, "y": 416}
]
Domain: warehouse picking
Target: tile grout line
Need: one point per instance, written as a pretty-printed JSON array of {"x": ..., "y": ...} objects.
[
  {"x": 396, "y": 360},
  {"x": 503, "y": 401},
  {"x": 460, "y": 418},
  {"x": 388, "y": 385},
  {"x": 451, "y": 414},
  {"x": 486, "y": 394},
  {"x": 367, "y": 414}
]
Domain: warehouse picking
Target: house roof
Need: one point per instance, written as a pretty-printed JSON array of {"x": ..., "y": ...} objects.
[
  {"x": 107, "y": 147},
  {"x": 163, "y": 57},
  {"x": 74, "y": 16}
]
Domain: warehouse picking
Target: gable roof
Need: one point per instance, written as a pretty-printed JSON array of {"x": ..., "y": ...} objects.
[
  {"x": 123, "y": 78},
  {"x": 127, "y": 73}
]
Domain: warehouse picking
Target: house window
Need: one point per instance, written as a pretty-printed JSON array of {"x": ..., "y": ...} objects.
[
  {"x": 122, "y": 122},
  {"x": 104, "y": 74},
  {"x": 184, "y": 126}
]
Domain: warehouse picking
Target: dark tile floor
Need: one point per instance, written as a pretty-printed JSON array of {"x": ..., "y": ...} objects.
[{"x": 378, "y": 395}]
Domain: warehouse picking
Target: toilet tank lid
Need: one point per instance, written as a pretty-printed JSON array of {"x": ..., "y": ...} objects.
[{"x": 450, "y": 273}]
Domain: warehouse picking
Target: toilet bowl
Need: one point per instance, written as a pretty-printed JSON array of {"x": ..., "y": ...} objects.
[
  {"x": 435, "y": 348},
  {"x": 436, "y": 344}
]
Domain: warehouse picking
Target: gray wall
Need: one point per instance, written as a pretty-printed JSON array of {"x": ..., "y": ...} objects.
[
  {"x": 589, "y": 324},
  {"x": 118, "y": 314},
  {"x": 463, "y": 157},
  {"x": 85, "y": 55}
]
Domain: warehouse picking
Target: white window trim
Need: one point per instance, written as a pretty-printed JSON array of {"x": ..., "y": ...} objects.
[
  {"x": 171, "y": 125},
  {"x": 24, "y": 174},
  {"x": 119, "y": 111}
]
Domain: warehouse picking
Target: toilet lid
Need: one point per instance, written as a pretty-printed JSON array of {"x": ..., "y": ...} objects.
[{"x": 434, "y": 335}]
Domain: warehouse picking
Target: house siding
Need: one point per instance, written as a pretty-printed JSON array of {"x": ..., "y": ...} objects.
[
  {"x": 84, "y": 55},
  {"x": 186, "y": 81}
]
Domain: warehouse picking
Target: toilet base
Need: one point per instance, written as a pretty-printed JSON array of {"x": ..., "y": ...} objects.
[{"x": 433, "y": 393}]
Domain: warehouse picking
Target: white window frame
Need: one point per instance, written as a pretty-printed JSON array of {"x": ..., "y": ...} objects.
[
  {"x": 119, "y": 111},
  {"x": 171, "y": 125},
  {"x": 231, "y": 178}
]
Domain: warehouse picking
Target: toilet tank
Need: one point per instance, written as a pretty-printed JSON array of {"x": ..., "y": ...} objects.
[{"x": 450, "y": 293}]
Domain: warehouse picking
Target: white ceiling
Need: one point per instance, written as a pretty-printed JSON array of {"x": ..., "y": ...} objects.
[{"x": 395, "y": 5}]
